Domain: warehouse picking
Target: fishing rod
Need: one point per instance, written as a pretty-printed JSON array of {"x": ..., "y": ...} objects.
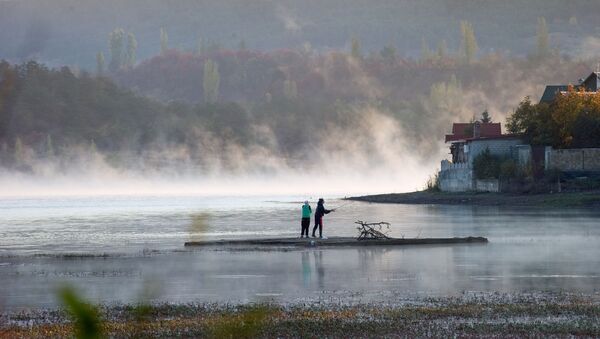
[{"x": 342, "y": 205}]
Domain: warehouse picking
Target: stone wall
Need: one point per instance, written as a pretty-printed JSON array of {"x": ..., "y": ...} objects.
[
  {"x": 456, "y": 177},
  {"x": 581, "y": 159}
]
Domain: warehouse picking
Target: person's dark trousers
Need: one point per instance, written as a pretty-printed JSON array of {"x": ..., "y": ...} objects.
[
  {"x": 319, "y": 224},
  {"x": 305, "y": 225}
]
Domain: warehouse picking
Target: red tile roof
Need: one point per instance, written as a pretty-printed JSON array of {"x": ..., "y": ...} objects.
[{"x": 486, "y": 130}]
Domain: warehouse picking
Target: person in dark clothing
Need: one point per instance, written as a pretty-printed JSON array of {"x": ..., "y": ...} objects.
[
  {"x": 305, "y": 223},
  {"x": 319, "y": 213}
]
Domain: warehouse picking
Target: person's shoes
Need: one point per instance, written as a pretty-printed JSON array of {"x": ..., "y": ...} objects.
[{"x": 314, "y": 236}]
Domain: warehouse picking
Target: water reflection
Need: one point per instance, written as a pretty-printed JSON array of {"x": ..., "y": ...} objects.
[
  {"x": 199, "y": 226},
  {"x": 316, "y": 266},
  {"x": 306, "y": 269},
  {"x": 318, "y": 255},
  {"x": 529, "y": 250}
]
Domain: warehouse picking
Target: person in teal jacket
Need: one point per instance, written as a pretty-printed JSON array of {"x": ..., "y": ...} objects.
[{"x": 306, "y": 213}]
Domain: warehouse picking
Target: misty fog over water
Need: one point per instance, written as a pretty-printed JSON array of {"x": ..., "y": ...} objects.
[
  {"x": 129, "y": 127},
  {"x": 115, "y": 249}
]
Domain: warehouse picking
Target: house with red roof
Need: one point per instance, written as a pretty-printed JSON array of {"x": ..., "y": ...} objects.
[
  {"x": 466, "y": 142},
  {"x": 469, "y": 140}
]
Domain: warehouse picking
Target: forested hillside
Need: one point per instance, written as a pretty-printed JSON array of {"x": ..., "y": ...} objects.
[
  {"x": 153, "y": 85},
  {"x": 234, "y": 110},
  {"x": 71, "y": 32}
]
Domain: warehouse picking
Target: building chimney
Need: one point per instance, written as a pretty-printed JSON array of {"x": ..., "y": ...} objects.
[{"x": 476, "y": 129}]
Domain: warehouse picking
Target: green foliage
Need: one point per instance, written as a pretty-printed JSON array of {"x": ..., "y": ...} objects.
[
  {"x": 242, "y": 45},
  {"x": 116, "y": 41},
  {"x": 388, "y": 53},
  {"x": 211, "y": 82},
  {"x": 572, "y": 121},
  {"x": 543, "y": 39},
  {"x": 249, "y": 323},
  {"x": 586, "y": 130},
  {"x": 49, "y": 147},
  {"x": 131, "y": 49},
  {"x": 468, "y": 45},
  {"x": 508, "y": 169},
  {"x": 164, "y": 41},
  {"x": 355, "y": 50},
  {"x": 535, "y": 123},
  {"x": 573, "y": 21},
  {"x": 485, "y": 117},
  {"x": 446, "y": 96},
  {"x": 433, "y": 183},
  {"x": 100, "y": 64},
  {"x": 442, "y": 50},
  {"x": 19, "y": 153},
  {"x": 290, "y": 89},
  {"x": 486, "y": 165},
  {"x": 86, "y": 318}
]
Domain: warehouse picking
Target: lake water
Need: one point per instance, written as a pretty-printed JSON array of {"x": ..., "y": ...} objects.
[{"x": 128, "y": 249}]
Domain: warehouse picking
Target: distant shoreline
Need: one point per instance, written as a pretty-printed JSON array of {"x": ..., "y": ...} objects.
[{"x": 568, "y": 199}]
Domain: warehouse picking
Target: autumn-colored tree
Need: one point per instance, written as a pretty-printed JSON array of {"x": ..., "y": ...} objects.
[
  {"x": 570, "y": 108},
  {"x": 572, "y": 120},
  {"x": 468, "y": 45}
]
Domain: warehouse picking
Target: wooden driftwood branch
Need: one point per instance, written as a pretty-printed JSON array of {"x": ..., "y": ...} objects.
[{"x": 374, "y": 230}]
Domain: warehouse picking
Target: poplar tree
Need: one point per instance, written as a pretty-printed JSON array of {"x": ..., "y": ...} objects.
[
  {"x": 100, "y": 63},
  {"x": 49, "y": 146},
  {"x": 19, "y": 152},
  {"x": 355, "y": 51},
  {"x": 211, "y": 81},
  {"x": 468, "y": 42},
  {"x": 543, "y": 40},
  {"x": 116, "y": 46},
  {"x": 164, "y": 41},
  {"x": 442, "y": 49},
  {"x": 131, "y": 49}
]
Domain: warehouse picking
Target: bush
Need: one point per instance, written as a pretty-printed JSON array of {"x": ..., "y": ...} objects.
[
  {"x": 486, "y": 165},
  {"x": 509, "y": 169},
  {"x": 433, "y": 183}
]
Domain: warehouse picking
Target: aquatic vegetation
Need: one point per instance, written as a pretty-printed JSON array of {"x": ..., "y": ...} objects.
[
  {"x": 247, "y": 324},
  {"x": 86, "y": 318},
  {"x": 482, "y": 315}
]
